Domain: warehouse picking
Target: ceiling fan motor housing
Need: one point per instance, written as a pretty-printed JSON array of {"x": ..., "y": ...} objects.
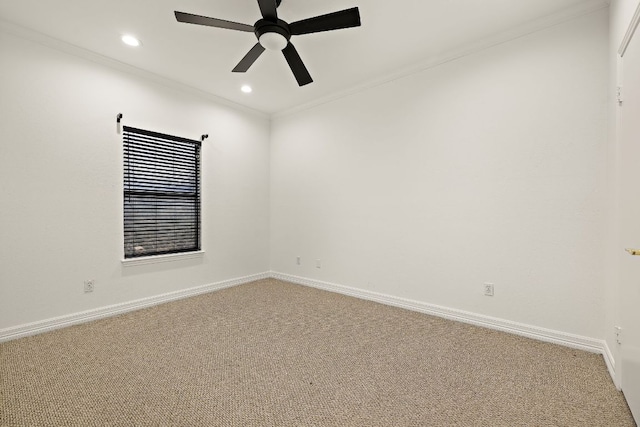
[{"x": 277, "y": 34}]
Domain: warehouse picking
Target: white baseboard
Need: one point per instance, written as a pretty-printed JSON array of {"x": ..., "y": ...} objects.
[
  {"x": 542, "y": 334},
  {"x": 548, "y": 335},
  {"x": 611, "y": 364},
  {"x": 113, "y": 310}
]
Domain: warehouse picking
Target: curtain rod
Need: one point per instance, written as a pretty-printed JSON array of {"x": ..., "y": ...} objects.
[{"x": 119, "y": 119}]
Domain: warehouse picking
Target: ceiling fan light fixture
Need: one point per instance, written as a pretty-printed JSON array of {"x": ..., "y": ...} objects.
[{"x": 273, "y": 41}]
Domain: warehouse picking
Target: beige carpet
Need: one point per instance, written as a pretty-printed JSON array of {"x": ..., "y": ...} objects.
[{"x": 271, "y": 353}]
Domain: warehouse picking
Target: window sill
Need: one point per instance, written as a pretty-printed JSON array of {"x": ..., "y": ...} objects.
[{"x": 156, "y": 259}]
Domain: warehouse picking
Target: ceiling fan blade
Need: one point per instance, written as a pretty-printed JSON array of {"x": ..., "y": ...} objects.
[
  {"x": 249, "y": 59},
  {"x": 212, "y": 22},
  {"x": 268, "y": 9},
  {"x": 332, "y": 21},
  {"x": 297, "y": 66}
]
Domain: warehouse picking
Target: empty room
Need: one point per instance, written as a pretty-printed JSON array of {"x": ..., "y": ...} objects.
[{"x": 336, "y": 213}]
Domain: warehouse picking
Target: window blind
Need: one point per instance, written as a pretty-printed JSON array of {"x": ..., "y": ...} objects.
[{"x": 161, "y": 193}]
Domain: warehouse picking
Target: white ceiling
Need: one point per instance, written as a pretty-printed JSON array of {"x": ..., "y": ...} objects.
[{"x": 394, "y": 35}]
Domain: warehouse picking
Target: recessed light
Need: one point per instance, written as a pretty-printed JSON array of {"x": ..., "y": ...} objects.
[
  {"x": 130, "y": 40},
  {"x": 246, "y": 89}
]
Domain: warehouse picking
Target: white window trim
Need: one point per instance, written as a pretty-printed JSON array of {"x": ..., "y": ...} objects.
[{"x": 156, "y": 259}]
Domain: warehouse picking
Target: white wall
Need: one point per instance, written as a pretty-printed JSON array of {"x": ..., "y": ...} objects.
[
  {"x": 61, "y": 184},
  {"x": 489, "y": 168}
]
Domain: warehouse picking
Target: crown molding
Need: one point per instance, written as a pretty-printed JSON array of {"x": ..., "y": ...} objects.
[
  {"x": 71, "y": 49},
  {"x": 631, "y": 30},
  {"x": 565, "y": 15},
  {"x": 531, "y": 27}
]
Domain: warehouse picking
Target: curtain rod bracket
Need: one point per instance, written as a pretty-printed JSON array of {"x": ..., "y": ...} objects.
[
  {"x": 203, "y": 137},
  {"x": 118, "y": 118}
]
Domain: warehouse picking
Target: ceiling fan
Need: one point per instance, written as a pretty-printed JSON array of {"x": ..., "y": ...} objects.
[{"x": 275, "y": 34}]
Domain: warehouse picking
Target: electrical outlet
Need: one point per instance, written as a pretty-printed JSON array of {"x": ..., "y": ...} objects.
[
  {"x": 88, "y": 285},
  {"x": 318, "y": 264},
  {"x": 488, "y": 289},
  {"x": 298, "y": 260}
]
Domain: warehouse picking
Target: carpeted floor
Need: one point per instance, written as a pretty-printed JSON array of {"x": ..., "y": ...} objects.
[{"x": 271, "y": 353}]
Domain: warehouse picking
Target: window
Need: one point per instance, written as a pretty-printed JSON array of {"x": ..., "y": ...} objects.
[{"x": 161, "y": 193}]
